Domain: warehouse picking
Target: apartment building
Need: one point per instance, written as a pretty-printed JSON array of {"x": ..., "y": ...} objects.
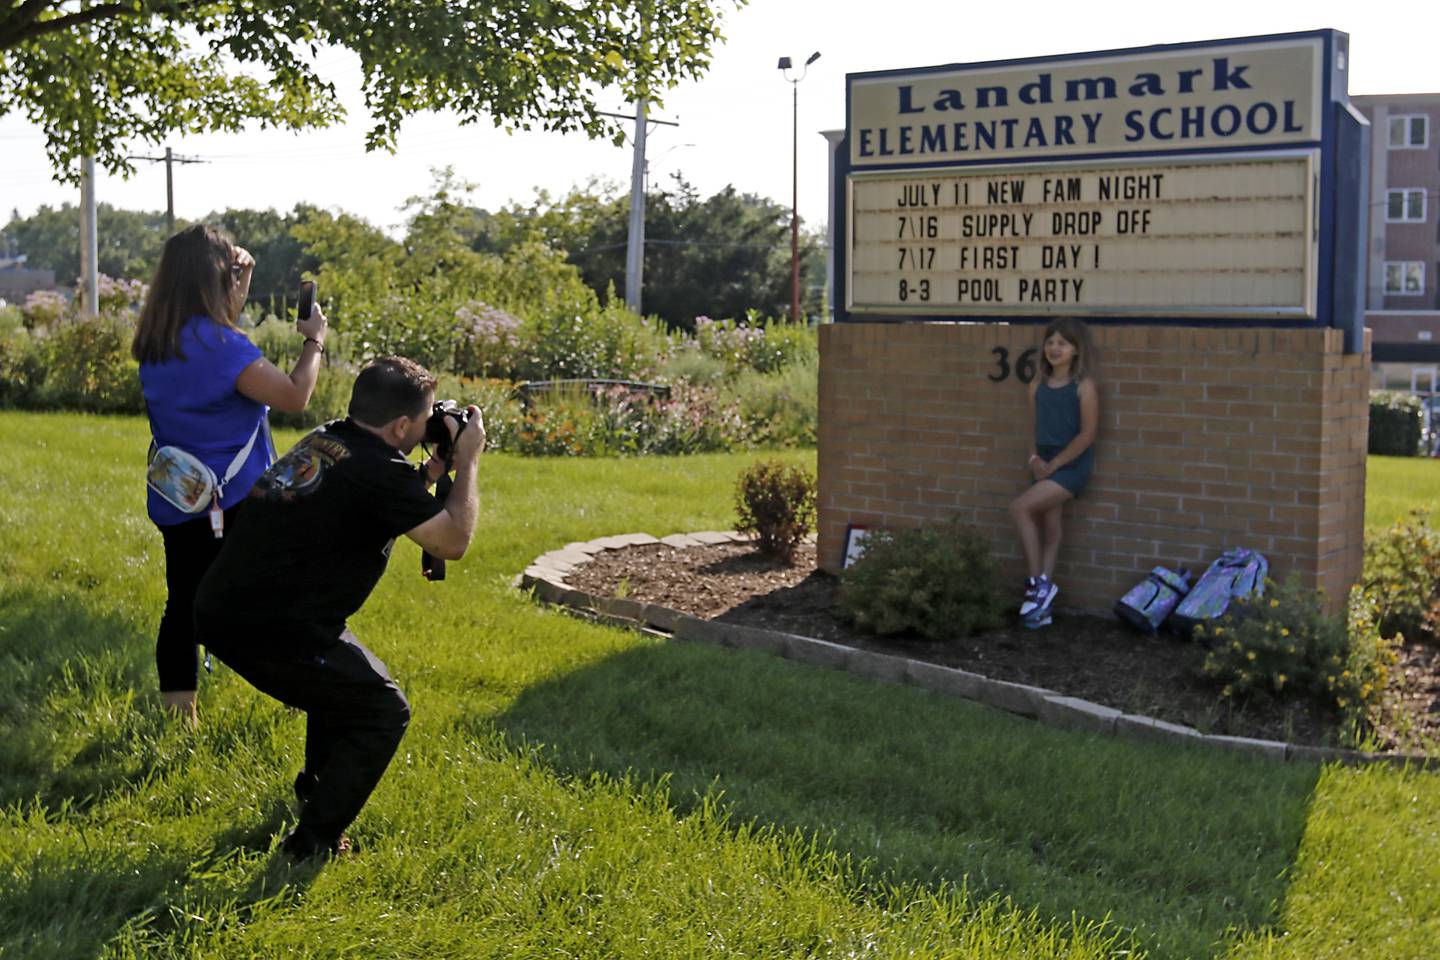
[{"x": 1403, "y": 274}]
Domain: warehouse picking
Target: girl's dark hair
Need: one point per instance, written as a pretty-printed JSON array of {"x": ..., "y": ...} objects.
[
  {"x": 390, "y": 387},
  {"x": 1077, "y": 333},
  {"x": 194, "y": 279}
]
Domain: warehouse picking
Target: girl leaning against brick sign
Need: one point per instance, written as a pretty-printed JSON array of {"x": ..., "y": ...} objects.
[{"x": 1065, "y": 416}]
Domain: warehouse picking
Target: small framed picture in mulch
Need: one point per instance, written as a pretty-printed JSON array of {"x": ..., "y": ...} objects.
[{"x": 855, "y": 535}]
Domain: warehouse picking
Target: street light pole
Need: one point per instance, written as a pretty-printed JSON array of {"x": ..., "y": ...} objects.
[{"x": 785, "y": 66}]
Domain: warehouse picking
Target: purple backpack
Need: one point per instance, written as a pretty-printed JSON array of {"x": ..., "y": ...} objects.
[
  {"x": 1238, "y": 573},
  {"x": 1150, "y": 601}
]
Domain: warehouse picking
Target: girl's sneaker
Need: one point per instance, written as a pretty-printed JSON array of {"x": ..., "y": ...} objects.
[
  {"x": 1036, "y": 622},
  {"x": 1040, "y": 593},
  {"x": 1032, "y": 595}
]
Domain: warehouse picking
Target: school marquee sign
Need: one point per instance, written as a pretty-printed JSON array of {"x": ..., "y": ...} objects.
[{"x": 1183, "y": 182}]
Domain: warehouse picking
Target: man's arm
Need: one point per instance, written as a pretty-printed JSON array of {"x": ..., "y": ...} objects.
[{"x": 447, "y": 534}]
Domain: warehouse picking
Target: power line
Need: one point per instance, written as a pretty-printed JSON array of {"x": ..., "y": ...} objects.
[{"x": 170, "y": 159}]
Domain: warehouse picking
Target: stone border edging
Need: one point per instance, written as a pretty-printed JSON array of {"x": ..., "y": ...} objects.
[{"x": 546, "y": 577}]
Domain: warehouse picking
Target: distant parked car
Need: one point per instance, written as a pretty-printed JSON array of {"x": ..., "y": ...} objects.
[{"x": 1430, "y": 425}]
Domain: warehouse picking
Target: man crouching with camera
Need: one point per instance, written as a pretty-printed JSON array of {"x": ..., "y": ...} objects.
[{"x": 319, "y": 527}]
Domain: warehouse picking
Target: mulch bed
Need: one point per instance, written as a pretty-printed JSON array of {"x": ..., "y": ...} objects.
[{"x": 1097, "y": 659}]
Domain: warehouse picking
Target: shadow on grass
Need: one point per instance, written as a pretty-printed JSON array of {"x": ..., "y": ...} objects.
[
  {"x": 69, "y": 902},
  {"x": 1181, "y": 847},
  {"x": 68, "y": 733}
]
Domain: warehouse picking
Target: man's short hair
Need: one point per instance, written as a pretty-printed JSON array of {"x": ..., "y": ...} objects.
[{"x": 390, "y": 387}]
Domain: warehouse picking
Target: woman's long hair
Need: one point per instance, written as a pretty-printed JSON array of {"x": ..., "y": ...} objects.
[
  {"x": 193, "y": 279},
  {"x": 1077, "y": 333}
]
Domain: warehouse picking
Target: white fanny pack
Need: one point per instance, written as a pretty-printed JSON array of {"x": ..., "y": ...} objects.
[{"x": 183, "y": 480}]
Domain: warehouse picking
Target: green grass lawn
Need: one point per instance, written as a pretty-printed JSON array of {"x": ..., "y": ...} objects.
[
  {"x": 1396, "y": 485},
  {"x": 571, "y": 790}
]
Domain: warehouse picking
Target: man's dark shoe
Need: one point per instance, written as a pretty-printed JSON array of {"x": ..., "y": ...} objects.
[{"x": 300, "y": 846}]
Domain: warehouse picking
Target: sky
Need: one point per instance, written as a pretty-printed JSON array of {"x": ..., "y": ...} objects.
[{"x": 734, "y": 124}]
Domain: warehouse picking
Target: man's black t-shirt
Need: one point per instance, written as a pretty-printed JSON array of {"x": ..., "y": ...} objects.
[{"x": 315, "y": 533}]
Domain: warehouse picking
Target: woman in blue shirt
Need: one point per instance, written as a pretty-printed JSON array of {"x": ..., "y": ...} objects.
[{"x": 207, "y": 390}]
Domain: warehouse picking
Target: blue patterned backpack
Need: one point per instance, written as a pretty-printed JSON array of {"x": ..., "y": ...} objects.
[
  {"x": 1238, "y": 573},
  {"x": 1150, "y": 601}
]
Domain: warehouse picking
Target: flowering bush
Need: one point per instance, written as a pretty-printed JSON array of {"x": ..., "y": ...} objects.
[
  {"x": 1284, "y": 645},
  {"x": 618, "y": 421},
  {"x": 119, "y": 295},
  {"x": 488, "y": 341},
  {"x": 755, "y": 344},
  {"x": 44, "y": 309}
]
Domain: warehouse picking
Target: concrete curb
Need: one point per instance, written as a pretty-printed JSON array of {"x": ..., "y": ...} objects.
[{"x": 545, "y": 576}]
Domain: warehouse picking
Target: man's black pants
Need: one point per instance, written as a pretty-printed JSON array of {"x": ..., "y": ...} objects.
[{"x": 355, "y": 718}]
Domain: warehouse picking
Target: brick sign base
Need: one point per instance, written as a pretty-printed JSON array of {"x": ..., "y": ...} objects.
[{"x": 1209, "y": 438}]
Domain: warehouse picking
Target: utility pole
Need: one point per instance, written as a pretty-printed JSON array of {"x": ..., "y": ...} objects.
[
  {"x": 635, "y": 244},
  {"x": 169, "y": 160},
  {"x": 89, "y": 242}
]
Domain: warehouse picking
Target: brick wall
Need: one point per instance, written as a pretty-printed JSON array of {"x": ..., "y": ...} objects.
[{"x": 1209, "y": 438}]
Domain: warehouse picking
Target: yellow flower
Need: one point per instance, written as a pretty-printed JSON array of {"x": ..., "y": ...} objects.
[
  {"x": 1284, "y": 631},
  {"x": 1250, "y": 655}
]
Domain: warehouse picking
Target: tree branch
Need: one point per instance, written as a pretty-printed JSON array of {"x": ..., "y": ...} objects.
[{"x": 28, "y": 27}]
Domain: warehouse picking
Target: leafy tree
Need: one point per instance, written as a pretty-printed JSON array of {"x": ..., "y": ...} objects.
[
  {"x": 98, "y": 74},
  {"x": 721, "y": 256},
  {"x": 280, "y": 258},
  {"x": 129, "y": 241}
]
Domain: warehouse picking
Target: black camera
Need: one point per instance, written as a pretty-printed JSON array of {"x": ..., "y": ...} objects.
[
  {"x": 437, "y": 430},
  {"x": 442, "y": 445}
]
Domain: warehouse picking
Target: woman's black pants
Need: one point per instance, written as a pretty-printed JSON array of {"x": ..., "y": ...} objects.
[{"x": 190, "y": 548}]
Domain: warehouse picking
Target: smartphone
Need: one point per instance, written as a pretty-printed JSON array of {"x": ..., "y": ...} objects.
[{"x": 307, "y": 300}]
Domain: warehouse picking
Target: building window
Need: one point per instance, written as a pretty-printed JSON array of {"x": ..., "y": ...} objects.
[
  {"x": 1405, "y": 277},
  {"x": 1408, "y": 131},
  {"x": 1404, "y": 206}
]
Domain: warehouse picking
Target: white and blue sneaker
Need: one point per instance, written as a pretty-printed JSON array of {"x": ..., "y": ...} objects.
[
  {"x": 1040, "y": 593},
  {"x": 1036, "y": 622}
]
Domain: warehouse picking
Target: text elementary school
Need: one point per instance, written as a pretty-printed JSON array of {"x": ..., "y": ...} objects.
[{"x": 1202, "y": 205}]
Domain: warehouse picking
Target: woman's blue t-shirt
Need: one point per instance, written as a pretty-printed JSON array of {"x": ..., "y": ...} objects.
[{"x": 194, "y": 405}]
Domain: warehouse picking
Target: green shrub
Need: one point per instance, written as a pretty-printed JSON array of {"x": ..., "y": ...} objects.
[
  {"x": 938, "y": 582},
  {"x": 280, "y": 341},
  {"x": 690, "y": 365},
  {"x": 330, "y": 401},
  {"x": 90, "y": 367},
  {"x": 12, "y": 321},
  {"x": 496, "y": 400},
  {"x": 568, "y": 337},
  {"x": 24, "y": 358},
  {"x": 1284, "y": 645},
  {"x": 780, "y": 409},
  {"x": 776, "y": 503},
  {"x": 1395, "y": 420},
  {"x": 1402, "y": 573}
]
